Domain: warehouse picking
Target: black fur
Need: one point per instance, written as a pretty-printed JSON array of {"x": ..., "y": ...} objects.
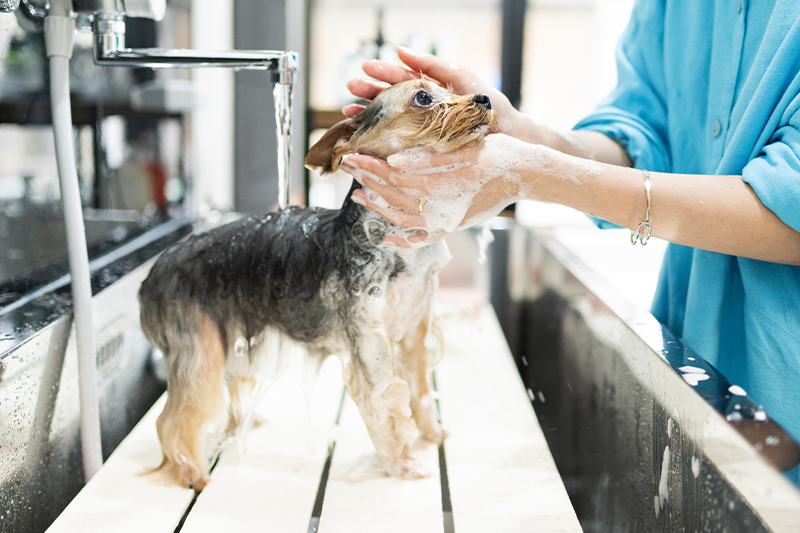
[
  {"x": 268, "y": 270},
  {"x": 368, "y": 119}
]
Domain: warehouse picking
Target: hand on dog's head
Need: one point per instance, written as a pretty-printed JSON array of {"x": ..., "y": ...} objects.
[{"x": 411, "y": 114}]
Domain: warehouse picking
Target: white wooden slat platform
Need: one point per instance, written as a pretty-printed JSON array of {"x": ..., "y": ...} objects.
[{"x": 499, "y": 473}]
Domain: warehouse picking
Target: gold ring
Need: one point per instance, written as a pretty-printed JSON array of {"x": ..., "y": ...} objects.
[{"x": 421, "y": 205}]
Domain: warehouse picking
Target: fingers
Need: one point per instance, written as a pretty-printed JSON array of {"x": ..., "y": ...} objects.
[
  {"x": 367, "y": 89},
  {"x": 352, "y": 110},
  {"x": 440, "y": 71},
  {"x": 396, "y": 240},
  {"x": 394, "y": 197},
  {"x": 416, "y": 240},
  {"x": 386, "y": 72},
  {"x": 381, "y": 169},
  {"x": 462, "y": 79},
  {"x": 404, "y": 219}
]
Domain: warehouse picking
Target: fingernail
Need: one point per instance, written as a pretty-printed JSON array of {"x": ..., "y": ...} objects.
[
  {"x": 396, "y": 160},
  {"x": 347, "y": 161},
  {"x": 357, "y": 199}
]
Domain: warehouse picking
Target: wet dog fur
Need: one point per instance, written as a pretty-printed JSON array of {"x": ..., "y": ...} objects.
[{"x": 216, "y": 302}]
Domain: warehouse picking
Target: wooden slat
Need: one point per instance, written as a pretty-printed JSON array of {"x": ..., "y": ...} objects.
[
  {"x": 501, "y": 474},
  {"x": 360, "y": 497},
  {"x": 119, "y": 499},
  {"x": 273, "y": 484}
]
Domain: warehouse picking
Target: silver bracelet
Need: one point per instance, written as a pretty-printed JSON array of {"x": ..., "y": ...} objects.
[{"x": 642, "y": 233}]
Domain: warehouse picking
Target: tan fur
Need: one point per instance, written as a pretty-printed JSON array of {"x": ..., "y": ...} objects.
[
  {"x": 452, "y": 122},
  {"x": 189, "y": 405}
]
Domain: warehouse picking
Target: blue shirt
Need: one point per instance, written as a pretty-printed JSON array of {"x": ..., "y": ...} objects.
[{"x": 711, "y": 87}]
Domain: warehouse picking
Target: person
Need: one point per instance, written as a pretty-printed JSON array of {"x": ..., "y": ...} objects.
[{"x": 708, "y": 103}]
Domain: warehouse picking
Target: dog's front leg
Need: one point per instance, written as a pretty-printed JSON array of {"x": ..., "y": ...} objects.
[
  {"x": 413, "y": 365},
  {"x": 383, "y": 401}
]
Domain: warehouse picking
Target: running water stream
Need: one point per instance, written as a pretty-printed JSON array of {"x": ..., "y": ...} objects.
[{"x": 282, "y": 94}]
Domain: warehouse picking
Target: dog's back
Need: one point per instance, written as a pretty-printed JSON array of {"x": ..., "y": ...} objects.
[{"x": 264, "y": 270}]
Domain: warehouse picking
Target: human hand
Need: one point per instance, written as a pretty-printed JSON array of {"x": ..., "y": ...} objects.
[
  {"x": 456, "y": 190},
  {"x": 459, "y": 79}
]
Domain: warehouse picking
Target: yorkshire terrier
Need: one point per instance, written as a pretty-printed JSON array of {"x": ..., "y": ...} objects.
[{"x": 220, "y": 303}]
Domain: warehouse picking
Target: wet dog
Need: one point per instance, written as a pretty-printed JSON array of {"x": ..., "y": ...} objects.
[{"x": 221, "y": 303}]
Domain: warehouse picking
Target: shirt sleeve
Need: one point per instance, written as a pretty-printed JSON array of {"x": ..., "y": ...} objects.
[
  {"x": 634, "y": 114},
  {"x": 775, "y": 174}
]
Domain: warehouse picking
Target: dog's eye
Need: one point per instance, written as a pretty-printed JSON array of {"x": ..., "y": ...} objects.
[{"x": 423, "y": 99}]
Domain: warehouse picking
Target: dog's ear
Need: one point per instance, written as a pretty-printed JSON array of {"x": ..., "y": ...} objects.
[{"x": 325, "y": 154}]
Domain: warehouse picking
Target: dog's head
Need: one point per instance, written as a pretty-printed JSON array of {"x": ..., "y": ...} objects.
[{"x": 411, "y": 114}]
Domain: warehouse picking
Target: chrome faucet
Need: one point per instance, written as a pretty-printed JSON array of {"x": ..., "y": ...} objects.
[{"x": 109, "y": 49}]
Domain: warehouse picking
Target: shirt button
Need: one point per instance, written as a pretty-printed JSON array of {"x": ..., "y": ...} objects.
[{"x": 716, "y": 128}]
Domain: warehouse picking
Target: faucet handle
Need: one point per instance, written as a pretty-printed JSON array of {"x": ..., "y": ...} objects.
[{"x": 149, "y": 9}]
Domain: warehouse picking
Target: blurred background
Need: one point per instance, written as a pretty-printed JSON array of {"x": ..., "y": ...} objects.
[{"x": 210, "y": 145}]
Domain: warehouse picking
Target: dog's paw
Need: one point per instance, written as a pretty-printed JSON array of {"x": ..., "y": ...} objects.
[
  {"x": 407, "y": 469},
  {"x": 199, "y": 483},
  {"x": 188, "y": 475}
]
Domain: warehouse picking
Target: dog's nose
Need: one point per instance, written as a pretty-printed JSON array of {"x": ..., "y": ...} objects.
[{"x": 483, "y": 99}]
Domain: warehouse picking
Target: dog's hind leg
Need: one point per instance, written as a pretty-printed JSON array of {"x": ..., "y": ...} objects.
[
  {"x": 194, "y": 395},
  {"x": 383, "y": 401},
  {"x": 413, "y": 364}
]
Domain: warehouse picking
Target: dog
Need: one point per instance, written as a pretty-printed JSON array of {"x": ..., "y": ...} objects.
[{"x": 220, "y": 304}]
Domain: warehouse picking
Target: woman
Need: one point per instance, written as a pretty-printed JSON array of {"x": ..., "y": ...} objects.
[{"x": 708, "y": 103}]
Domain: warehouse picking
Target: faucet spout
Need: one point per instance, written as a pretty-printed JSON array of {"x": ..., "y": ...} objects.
[{"x": 110, "y": 50}]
